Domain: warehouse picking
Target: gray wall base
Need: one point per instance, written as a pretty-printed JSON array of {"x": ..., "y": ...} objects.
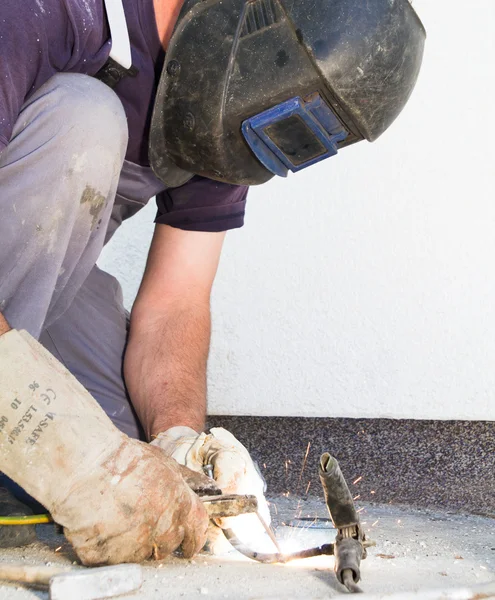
[{"x": 447, "y": 464}]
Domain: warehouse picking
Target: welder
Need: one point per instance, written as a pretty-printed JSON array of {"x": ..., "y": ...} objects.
[{"x": 103, "y": 105}]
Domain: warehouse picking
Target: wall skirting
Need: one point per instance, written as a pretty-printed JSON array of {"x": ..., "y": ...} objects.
[{"x": 448, "y": 464}]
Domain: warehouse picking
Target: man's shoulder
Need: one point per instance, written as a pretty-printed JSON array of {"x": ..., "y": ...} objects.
[
  {"x": 38, "y": 13},
  {"x": 78, "y": 20},
  {"x": 83, "y": 11}
]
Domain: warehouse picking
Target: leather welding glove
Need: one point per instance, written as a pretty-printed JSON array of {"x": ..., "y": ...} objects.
[
  {"x": 233, "y": 470},
  {"x": 118, "y": 499}
]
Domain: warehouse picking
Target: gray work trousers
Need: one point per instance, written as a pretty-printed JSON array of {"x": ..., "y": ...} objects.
[{"x": 64, "y": 189}]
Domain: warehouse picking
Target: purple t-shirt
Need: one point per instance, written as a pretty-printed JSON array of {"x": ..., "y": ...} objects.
[{"x": 39, "y": 38}]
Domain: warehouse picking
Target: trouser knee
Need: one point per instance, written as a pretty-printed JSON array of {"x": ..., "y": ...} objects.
[{"x": 58, "y": 177}]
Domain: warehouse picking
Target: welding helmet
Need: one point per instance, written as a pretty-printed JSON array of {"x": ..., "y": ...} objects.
[{"x": 257, "y": 88}]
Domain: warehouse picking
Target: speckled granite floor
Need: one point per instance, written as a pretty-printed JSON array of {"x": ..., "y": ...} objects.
[{"x": 445, "y": 464}]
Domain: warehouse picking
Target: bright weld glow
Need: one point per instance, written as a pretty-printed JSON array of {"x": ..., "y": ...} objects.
[
  {"x": 297, "y": 540},
  {"x": 251, "y": 533},
  {"x": 300, "y": 542},
  {"x": 291, "y": 545},
  {"x": 315, "y": 562}
]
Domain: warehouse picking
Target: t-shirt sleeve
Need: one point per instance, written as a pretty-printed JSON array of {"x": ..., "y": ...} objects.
[
  {"x": 203, "y": 205},
  {"x": 21, "y": 35}
]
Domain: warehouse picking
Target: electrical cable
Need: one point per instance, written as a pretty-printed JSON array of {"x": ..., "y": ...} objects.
[{"x": 26, "y": 520}]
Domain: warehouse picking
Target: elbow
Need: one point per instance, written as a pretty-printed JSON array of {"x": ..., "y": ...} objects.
[{"x": 170, "y": 312}]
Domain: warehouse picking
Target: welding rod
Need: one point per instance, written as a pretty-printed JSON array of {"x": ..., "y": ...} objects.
[{"x": 276, "y": 557}]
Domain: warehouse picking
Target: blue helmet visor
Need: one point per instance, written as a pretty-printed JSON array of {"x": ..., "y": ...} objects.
[{"x": 294, "y": 135}]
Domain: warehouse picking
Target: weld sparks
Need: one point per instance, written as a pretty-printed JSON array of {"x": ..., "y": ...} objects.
[{"x": 305, "y": 460}]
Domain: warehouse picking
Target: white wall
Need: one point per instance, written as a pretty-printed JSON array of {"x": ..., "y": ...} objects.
[{"x": 365, "y": 286}]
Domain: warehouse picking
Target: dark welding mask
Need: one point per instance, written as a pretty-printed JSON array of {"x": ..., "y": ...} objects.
[{"x": 252, "y": 89}]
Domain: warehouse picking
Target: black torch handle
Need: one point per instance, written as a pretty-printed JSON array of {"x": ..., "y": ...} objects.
[{"x": 337, "y": 495}]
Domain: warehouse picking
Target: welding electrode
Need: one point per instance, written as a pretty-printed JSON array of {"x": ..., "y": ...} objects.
[{"x": 275, "y": 557}]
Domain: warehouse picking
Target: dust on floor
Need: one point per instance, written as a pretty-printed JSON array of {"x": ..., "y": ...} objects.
[{"x": 416, "y": 549}]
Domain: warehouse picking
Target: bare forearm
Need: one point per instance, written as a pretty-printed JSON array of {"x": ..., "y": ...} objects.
[
  {"x": 4, "y": 326},
  {"x": 165, "y": 367}
]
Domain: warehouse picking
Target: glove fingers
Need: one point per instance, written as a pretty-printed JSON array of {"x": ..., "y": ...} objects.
[
  {"x": 94, "y": 550},
  {"x": 188, "y": 523},
  {"x": 190, "y": 534},
  {"x": 236, "y": 474},
  {"x": 192, "y": 542},
  {"x": 195, "y": 529},
  {"x": 229, "y": 469}
]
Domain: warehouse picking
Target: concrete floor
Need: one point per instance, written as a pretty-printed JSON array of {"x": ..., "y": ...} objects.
[{"x": 416, "y": 550}]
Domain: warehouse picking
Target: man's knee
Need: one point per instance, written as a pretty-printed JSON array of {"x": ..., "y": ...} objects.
[
  {"x": 88, "y": 114},
  {"x": 77, "y": 120},
  {"x": 58, "y": 177},
  {"x": 68, "y": 147}
]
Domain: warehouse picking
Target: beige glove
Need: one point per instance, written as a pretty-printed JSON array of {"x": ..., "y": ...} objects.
[
  {"x": 233, "y": 470},
  {"x": 119, "y": 500}
]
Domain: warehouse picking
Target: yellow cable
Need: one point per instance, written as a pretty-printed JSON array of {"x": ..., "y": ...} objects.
[{"x": 27, "y": 520}]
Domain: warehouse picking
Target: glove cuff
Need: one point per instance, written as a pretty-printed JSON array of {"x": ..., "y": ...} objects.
[{"x": 53, "y": 432}]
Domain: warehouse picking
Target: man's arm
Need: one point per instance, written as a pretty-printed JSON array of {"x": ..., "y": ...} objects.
[
  {"x": 4, "y": 326},
  {"x": 165, "y": 360}
]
